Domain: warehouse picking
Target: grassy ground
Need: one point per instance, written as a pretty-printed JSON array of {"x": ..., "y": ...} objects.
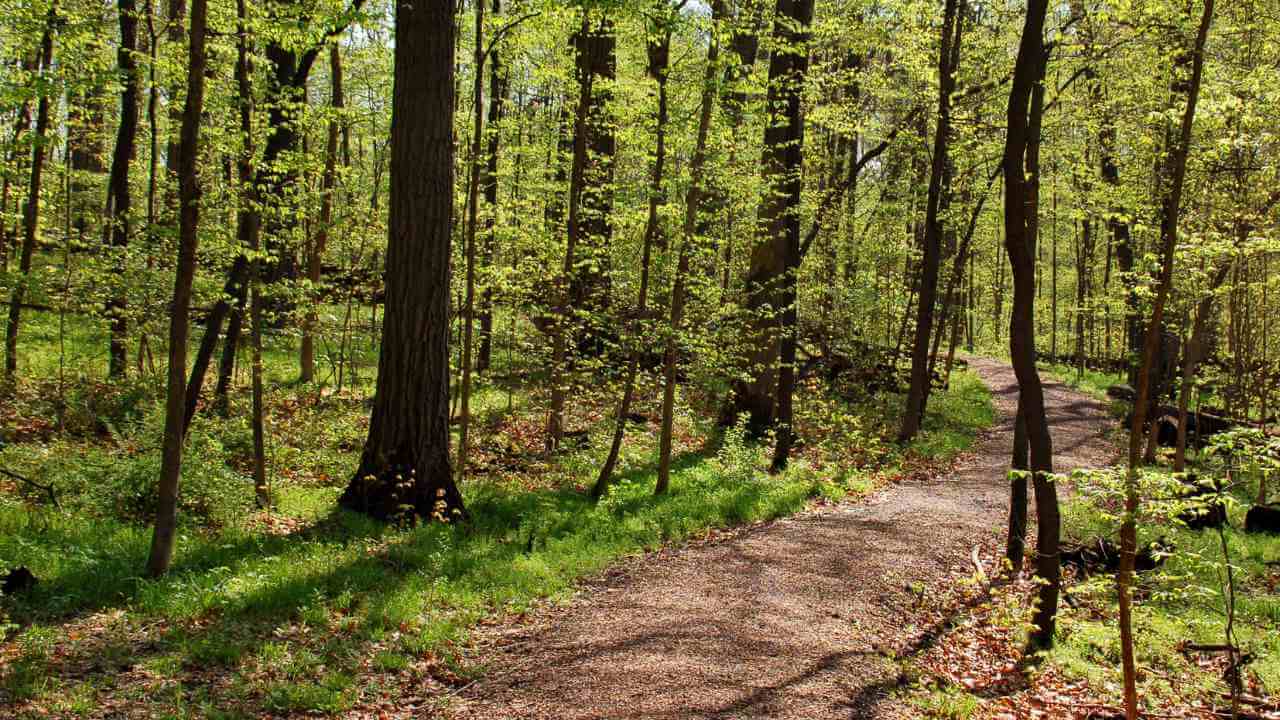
[
  {"x": 1092, "y": 382},
  {"x": 1186, "y": 601},
  {"x": 308, "y": 609}
]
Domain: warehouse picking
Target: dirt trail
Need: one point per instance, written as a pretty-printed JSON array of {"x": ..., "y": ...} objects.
[{"x": 785, "y": 621}]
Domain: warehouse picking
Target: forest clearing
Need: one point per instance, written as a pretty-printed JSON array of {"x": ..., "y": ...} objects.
[{"x": 640, "y": 359}]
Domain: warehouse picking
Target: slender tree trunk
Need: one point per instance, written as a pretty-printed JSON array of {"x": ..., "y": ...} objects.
[
  {"x": 31, "y": 211},
  {"x": 659, "y": 49},
  {"x": 405, "y": 468},
  {"x": 913, "y": 414},
  {"x": 119, "y": 197},
  {"x": 328, "y": 181},
  {"x": 1021, "y": 206},
  {"x": 248, "y": 209},
  {"x": 565, "y": 293},
  {"x": 473, "y": 201},
  {"x": 1172, "y": 177},
  {"x": 693, "y": 203},
  {"x": 497, "y": 98},
  {"x": 188, "y": 222}
]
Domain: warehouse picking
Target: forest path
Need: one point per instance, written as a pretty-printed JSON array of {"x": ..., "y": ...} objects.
[{"x": 788, "y": 620}]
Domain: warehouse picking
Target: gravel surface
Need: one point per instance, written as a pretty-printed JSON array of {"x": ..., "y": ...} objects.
[{"x": 794, "y": 619}]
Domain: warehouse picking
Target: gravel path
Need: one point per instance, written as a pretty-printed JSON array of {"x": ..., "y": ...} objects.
[{"x": 794, "y": 619}]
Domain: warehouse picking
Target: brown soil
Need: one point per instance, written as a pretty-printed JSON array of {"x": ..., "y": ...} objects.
[{"x": 800, "y": 618}]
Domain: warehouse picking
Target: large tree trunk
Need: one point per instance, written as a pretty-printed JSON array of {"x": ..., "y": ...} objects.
[
  {"x": 119, "y": 198},
  {"x": 188, "y": 222},
  {"x": 775, "y": 256},
  {"x": 315, "y": 254},
  {"x": 31, "y": 211},
  {"x": 1021, "y": 206},
  {"x": 1172, "y": 176},
  {"x": 589, "y": 285},
  {"x": 405, "y": 467},
  {"x": 913, "y": 414}
]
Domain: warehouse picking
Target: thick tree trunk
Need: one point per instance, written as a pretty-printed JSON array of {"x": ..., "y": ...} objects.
[
  {"x": 31, "y": 211},
  {"x": 1172, "y": 176},
  {"x": 119, "y": 197},
  {"x": 913, "y": 414},
  {"x": 405, "y": 471},
  {"x": 771, "y": 279},
  {"x": 1021, "y": 205},
  {"x": 188, "y": 238}
]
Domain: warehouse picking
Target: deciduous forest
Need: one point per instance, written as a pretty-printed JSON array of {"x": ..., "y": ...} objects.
[{"x": 640, "y": 358}]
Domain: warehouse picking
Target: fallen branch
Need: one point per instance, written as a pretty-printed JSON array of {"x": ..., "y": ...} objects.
[{"x": 53, "y": 498}]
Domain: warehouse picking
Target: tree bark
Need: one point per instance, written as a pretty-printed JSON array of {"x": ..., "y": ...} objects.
[
  {"x": 1021, "y": 206},
  {"x": 497, "y": 98},
  {"x": 119, "y": 197},
  {"x": 162, "y": 540},
  {"x": 913, "y": 415},
  {"x": 328, "y": 181},
  {"x": 1172, "y": 176},
  {"x": 659, "y": 51},
  {"x": 693, "y": 203},
  {"x": 404, "y": 470},
  {"x": 766, "y": 397},
  {"x": 31, "y": 211}
]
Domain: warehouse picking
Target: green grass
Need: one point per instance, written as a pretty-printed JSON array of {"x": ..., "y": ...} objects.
[
  {"x": 1184, "y": 601},
  {"x": 1093, "y": 382},
  {"x": 317, "y": 614}
]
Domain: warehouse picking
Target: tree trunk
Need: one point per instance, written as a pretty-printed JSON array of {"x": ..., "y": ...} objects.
[
  {"x": 404, "y": 471},
  {"x": 659, "y": 51},
  {"x": 497, "y": 98},
  {"x": 1021, "y": 206},
  {"x": 474, "y": 170},
  {"x": 693, "y": 203},
  {"x": 770, "y": 280},
  {"x": 913, "y": 414},
  {"x": 188, "y": 222},
  {"x": 31, "y": 211},
  {"x": 1172, "y": 176},
  {"x": 328, "y": 180},
  {"x": 119, "y": 198}
]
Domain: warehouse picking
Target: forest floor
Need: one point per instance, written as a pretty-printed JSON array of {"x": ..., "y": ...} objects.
[{"x": 813, "y": 616}]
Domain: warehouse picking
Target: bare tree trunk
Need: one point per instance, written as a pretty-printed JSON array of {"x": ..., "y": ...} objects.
[
  {"x": 913, "y": 414},
  {"x": 693, "y": 203},
  {"x": 473, "y": 201},
  {"x": 1172, "y": 176},
  {"x": 659, "y": 49},
  {"x": 31, "y": 211},
  {"x": 119, "y": 197},
  {"x": 328, "y": 181},
  {"x": 497, "y": 98},
  {"x": 189, "y": 219},
  {"x": 1021, "y": 206},
  {"x": 770, "y": 281}
]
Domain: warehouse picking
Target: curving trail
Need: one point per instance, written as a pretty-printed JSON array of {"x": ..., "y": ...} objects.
[{"x": 788, "y": 620}]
